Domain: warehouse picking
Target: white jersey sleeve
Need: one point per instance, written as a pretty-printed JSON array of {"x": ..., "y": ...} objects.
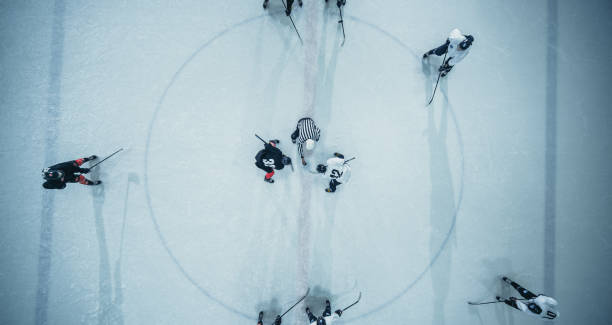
[
  {"x": 547, "y": 304},
  {"x": 336, "y": 169},
  {"x": 456, "y": 54}
]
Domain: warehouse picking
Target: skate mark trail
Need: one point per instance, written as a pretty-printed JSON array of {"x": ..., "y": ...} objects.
[
  {"x": 551, "y": 150},
  {"x": 52, "y": 131},
  {"x": 310, "y": 92}
]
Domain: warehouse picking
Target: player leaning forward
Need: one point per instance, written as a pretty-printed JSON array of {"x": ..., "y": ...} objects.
[
  {"x": 535, "y": 305},
  {"x": 337, "y": 170},
  {"x": 456, "y": 47},
  {"x": 58, "y": 175},
  {"x": 306, "y": 135}
]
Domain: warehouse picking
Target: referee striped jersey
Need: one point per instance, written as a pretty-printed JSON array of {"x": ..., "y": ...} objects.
[{"x": 307, "y": 130}]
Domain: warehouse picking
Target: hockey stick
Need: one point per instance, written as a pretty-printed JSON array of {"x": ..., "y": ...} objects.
[
  {"x": 353, "y": 304},
  {"x": 350, "y": 159},
  {"x": 486, "y": 303},
  {"x": 342, "y": 23},
  {"x": 99, "y": 162},
  {"x": 303, "y": 297},
  {"x": 439, "y": 74},
  {"x": 262, "y": 140},
  {"x": 296, "y": 30}
]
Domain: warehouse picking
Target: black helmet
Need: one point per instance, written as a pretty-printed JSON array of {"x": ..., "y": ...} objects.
[
  {"x": 467, "y": 42},
  {"x": 286, "y": 160},
  {"x": 534, "y": 308},
  {"x": 321, "y": 168},
  {"x": 52, "y": 174},
  {"x": 321, "y": 321}
]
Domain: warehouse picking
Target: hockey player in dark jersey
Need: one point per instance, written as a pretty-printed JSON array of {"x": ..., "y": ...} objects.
[
  {"x": 326, "y": 318},
  {"x": 271, "y": 158},
  {"x": 277, "y": 320},
  {"x": 58, "y": 175}
]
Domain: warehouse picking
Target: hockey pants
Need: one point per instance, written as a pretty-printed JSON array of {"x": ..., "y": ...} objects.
[{"x": 332, "y": 185}]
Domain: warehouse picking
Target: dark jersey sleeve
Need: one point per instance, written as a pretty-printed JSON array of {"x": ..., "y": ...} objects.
[
  {"x": 68, "y": 167},
  {"x": 54, "y": 185},
  {"x": 276, "y": 154}
]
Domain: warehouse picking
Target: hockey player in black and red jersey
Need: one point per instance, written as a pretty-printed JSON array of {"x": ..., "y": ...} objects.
[
  {"x": 271, "y": 158},
  {"x": 58, "y": 175},
  {"x": 536, "y": 305},
  {"x": 327, "y": 318}
]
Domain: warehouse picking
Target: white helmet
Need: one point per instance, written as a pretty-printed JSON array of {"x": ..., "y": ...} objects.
[{"x": 310, "y": 144}]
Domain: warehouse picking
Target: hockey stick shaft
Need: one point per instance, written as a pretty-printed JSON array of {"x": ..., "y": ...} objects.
[
  {"x": 353, "y": 304},
  {"x": 350, "y": 159},
  {"x": 292, "y": 23},
  {"x": 101, "y": 161},
  {"x": 437, "y": 81},
  {"x": 486, "y": 303},
  {"x": 303, "y": 297},
  {"x": 262, "y": 140},
  {"x": 342, "y": 23}
]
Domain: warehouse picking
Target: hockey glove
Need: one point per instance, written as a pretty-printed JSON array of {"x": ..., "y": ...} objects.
[
  {"x": 445, "y": 67},
  {"x": 84, "y": 170},
  {"x": 339, "y": 312},
  {"x": 277, "y": 321},
  {"x": 92, "y": 157}
]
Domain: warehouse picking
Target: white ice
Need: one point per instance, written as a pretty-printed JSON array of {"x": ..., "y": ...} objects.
[{"x": 442, "y": 201}]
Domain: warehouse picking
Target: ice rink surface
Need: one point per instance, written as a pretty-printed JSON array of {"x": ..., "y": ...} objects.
[{"x": 506, "y": 173}]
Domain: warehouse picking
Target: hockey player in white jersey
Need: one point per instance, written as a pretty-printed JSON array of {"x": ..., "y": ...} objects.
[
  {"x": 536, "y": 305},
  {"x": 306, "y": 135},
  {"x": 327, "y": 318},
  {"x": 336, "y": 170},
  {"x": 457, "y": 46}
]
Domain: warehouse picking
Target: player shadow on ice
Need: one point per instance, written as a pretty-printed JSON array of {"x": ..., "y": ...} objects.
[
  {"x": 442, "y": 210},
  {"x": 490, "y": 280},
  {"x": 315, "y": 301},
  {"x": 109, "y": 310},
  {"x": 104, "y": 275},
  {"x": 283, "y": 23},
  {"x": 117, "y": 315},
  {"x": 323, "y": 235},
  {"x": 270, "y": 309},
  {"x": 326, "y": 77}
]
